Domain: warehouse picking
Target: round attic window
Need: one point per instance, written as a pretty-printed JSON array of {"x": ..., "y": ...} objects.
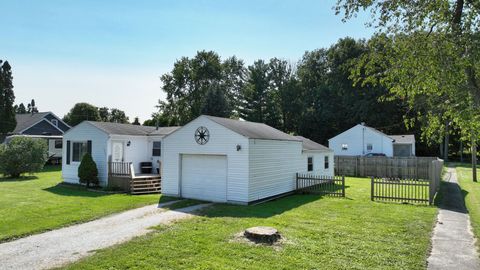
[{"x": 202, "y": 135}]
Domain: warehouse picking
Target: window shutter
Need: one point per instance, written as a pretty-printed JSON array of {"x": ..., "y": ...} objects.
[
  {"x": 89, "y": 147},
  {"x": 68, "y": 152}
]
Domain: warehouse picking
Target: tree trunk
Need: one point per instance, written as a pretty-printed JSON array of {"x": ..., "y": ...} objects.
[
  {"x": 461, "y": 151},
  {"x": 445, "y": 144}
]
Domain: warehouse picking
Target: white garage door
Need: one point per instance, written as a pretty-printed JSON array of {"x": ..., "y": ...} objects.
[{"x": 204, "y": 177}]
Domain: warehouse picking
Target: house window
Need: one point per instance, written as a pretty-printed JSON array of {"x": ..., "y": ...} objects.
[
  {"x": 157, "y": 149},
  {"x": 344, "y": 147},
  {"x": 55, "y": 122},
  {"x": 58, "y": 144},
  {"x": 326, "y": 165},
  {"x": 79, "y": 149},
  {"x": 369, "y": 147},
  {"x": 310, "y": 164}
]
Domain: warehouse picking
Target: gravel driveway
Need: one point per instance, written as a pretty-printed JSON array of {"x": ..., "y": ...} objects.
[{"x": 59, "y": 247}]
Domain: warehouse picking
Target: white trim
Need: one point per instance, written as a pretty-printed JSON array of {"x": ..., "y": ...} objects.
[
  {"x": 370, "y": 128},
  {"x": 43, "y": 119},
  {"x": 87, "y": 122},
  {"x": 71, "y": 150},
  {"x": 308, "y": 163},
  {"x": 60, "y": 119}
]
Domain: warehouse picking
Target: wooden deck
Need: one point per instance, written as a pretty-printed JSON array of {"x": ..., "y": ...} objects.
[{"x": 122, "y": 175}]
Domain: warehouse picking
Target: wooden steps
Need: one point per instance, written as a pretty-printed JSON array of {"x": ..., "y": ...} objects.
[{"x": 145, "y": 185}]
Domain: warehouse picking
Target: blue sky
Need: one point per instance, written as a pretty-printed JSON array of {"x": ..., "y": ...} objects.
[{"x": 111, "y": 53}]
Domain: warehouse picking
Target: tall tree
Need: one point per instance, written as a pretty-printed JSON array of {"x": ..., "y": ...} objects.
[
  {"x": 21, "y": 109},
  {"x": 32, "y": 108},
  {"x": 118, "y": 116},
  {"x": 233, "y": 79},
  {"x": 136, "y": 121},
  {"x": 7, "y": 98},
  {"x": 187, "y": 84},
  {"x": 282, "y": 85},
  {"x": 104, "y": 113},
  {"x": 216, "y": 103},
  {"x": 255, "y": 93},
  {"x": 81, "y": 112},
  {"x": 435, "y": 51}
]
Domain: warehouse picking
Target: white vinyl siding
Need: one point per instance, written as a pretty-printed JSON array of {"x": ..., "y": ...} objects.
[
  {"x": 273, "y": 165},
  {"x": 360, "y": 140},
  {"x": 222, "y": 141},
  {"x": 84, "y": 132},
  {"x": 318, "y": 162}
]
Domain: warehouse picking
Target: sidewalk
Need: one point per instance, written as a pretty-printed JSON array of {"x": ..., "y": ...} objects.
[{"x": 453, "y": 243}]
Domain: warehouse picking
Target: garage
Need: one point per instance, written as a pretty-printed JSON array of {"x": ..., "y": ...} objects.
[
  {"x": 235, "y": 161},
  {"x": 204, "y": 177}
]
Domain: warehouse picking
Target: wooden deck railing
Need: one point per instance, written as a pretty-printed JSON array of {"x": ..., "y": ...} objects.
[{"x": 119, "y": 169}]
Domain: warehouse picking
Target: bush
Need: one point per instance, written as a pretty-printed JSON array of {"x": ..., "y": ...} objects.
[
  {"x": 87, "y": 171},
  {"x": 23, "y": 155}
]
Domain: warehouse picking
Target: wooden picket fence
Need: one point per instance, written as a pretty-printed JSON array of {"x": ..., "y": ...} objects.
[
  {"x": 383, "y": 167},
  {"x": 408, "y": 190},
  {"x": 400, "y": 190},
  {"x": 318, "y": 184}
]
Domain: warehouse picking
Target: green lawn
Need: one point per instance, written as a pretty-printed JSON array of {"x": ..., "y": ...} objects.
[
  {"x": 38, "y": 203},
  {"x": 320, "y": 232},
  {"x": 471, "y": 191}
]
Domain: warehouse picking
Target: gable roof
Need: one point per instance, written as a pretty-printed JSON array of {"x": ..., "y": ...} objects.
[
  {"x": 252, "y": 130},
  {"x": 129, "y": 129},
  {"x": 27, "y": 120},
  {"x": 367, "y": 127},
  {"x": 377, "y": 131},
  {"x": 407, "y": 139},
  {"x": 309, "y": 145}
]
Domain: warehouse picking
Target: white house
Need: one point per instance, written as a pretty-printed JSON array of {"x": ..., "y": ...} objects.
[
  {"x": 111, "y": 142},
  {"x": 362, "y": 140},
  {"x": 224, "y": 160}
]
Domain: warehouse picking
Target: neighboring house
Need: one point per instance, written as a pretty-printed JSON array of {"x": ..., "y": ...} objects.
[
  {"x": 224, "y": 160},
  {"x": 42, "y": 125},
  {"x": 361, "y": 140},
  {"x": 112, "y": 143}
]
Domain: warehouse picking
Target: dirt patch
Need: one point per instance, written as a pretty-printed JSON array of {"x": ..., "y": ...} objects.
[{"x": 240, "y": 238}]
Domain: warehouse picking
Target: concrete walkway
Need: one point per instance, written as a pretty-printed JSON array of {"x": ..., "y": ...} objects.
[
  {"x": 59, "y": 247},
  {"x": 453, "y": 243}
]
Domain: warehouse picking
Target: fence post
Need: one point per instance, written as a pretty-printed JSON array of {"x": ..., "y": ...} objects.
[
  {"x": 432, "y": 183},
  {"x": 371, "y": 188},
  {"x": 343, "y": 185},
  {"x": 296, "y": 181}
]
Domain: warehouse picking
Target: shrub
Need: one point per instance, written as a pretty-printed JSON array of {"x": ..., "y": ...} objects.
[
  {"x": 87, "y": 171},
  {"x": 23, "y": 155}
]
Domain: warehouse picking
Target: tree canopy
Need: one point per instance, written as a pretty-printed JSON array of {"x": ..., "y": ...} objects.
[
  {"x": 84, "y": 111},
  {"x": 315, "y": 97},
  {"x": 81, "y": 112},
  {"x": 426, "y": 53}
]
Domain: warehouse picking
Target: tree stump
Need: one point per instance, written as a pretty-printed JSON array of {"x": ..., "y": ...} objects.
[{"x": 262, "y": 234}]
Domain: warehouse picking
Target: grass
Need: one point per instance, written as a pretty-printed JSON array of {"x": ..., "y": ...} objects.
[
  {"x": 320, "y": 233},
  {"x": 40, "y": 202},
  {"x": 471, "y": 193}
]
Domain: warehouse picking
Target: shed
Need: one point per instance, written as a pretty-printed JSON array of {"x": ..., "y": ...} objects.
[{"x": 225, "y": 160}]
